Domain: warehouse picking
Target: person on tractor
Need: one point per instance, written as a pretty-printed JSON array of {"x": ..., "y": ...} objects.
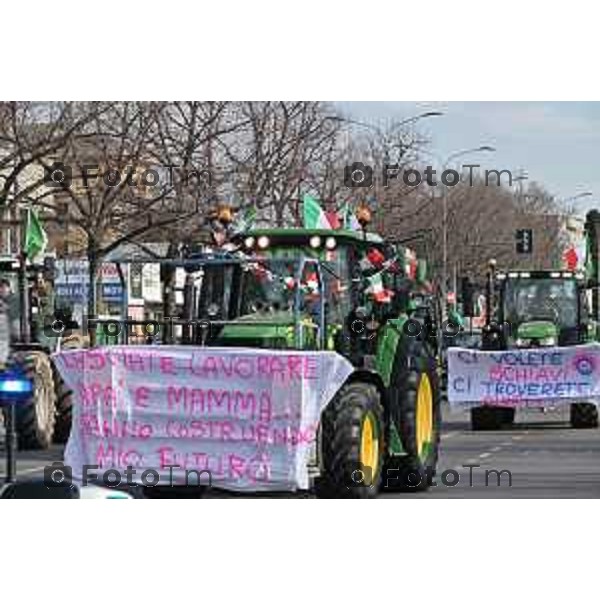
[
  {"x": 10, "y": 302},
  {"x": 5, "y": 328},
  {"x": 455, "y": 317}
]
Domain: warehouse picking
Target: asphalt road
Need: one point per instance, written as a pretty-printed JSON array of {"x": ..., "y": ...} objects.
[{"x": 545, "y": 457}]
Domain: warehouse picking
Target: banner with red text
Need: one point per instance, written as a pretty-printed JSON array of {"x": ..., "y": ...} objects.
[
  {"x": 525, "y": 377},
  {"x": 249, "y": 417}
]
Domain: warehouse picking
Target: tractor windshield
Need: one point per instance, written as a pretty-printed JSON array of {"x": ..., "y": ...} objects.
[
  {"x": 274, "y": 288},
  {"x": 270, "y": 302},
  {"x": 554, "y": 300},
  {"x": 335, "y": 271},
  {"x": 270, "y": 286}
]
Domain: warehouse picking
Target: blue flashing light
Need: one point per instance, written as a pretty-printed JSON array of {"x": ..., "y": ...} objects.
[{"x": 14, "y": 385}]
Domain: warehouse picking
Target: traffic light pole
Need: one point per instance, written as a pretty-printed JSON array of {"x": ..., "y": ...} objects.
[{"x": 10, "y": 437}]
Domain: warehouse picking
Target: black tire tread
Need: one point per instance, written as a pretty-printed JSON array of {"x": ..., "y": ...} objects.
[
  {"x": 38, "y": 368},
  {"x": 490, "y": 418},
  {"x": 340, "y": 437},
  {"x": 414, "y": 358},
  {"x": 584, "y": 415}
]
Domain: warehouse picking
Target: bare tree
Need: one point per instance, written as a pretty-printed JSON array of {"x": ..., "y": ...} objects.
[
  {"x": 191, "y": 142},
  {"x": 29, "y": 133},
  {"x": 278, "y": 155},
  {"x": 115, "y": 192}
]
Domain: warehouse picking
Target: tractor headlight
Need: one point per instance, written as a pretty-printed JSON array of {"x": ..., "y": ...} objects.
[
  {"x": 330, "y": 243},
  {"x": 549, "y": 341},
  {"x": 263, "y": 242},
  {"x": 315, "y": 242},
  {"x": 249, "y": 243}
]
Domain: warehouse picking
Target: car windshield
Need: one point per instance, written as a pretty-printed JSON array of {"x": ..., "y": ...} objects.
[{"x": 554, "y": 300}]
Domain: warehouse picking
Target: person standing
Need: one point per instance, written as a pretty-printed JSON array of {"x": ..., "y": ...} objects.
[{"x": 5, "y": 321}]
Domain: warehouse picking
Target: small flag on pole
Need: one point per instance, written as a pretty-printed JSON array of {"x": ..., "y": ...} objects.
[
  {"x": 377, "y": 290},
  {"x": 36, "y": 239},
  {"x": 374, "y": 259},
  {"x": 349, "y": 220},
  {"x": 245, "y": 220},
  {"x": 314, "y": 215}
]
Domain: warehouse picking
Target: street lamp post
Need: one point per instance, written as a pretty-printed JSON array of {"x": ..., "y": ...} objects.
[
  {"x": 444, "y": 286},
  {"x": 380, "y": 132},
  {"x": 519, "y": 179},
  {"x": 576, "y": 197}
]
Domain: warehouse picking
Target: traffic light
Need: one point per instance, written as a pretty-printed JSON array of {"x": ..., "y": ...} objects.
[{"x": 524, "y": 241}]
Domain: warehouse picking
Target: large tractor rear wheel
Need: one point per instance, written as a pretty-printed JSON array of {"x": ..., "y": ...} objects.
[
  {"x": 415, "y": 406},
  {"x": 64, "y": 410},
  {"x": 487, "y": 418},
  {"x": 352, "y": 431},
  {"x": 35, "y": 417},
  {"x": 584, "y": 415}
]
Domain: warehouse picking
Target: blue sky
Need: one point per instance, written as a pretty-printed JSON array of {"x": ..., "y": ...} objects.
[{"x": 556, "y": 143}]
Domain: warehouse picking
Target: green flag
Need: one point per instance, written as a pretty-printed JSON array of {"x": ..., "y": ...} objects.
[
  {"x": 314, "y": 215},
  {"x": 244, "y": 221},
  {"x": 35, "y": 238}
]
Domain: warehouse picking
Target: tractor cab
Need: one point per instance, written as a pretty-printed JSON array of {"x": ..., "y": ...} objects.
[
  {"x": 541, "y": 308},
  {"x": 297, "y": 289},
  {"x": 338, "y": 254},
  {"x": 341, "y": 299},
  {"x": 259, "y": 302}
]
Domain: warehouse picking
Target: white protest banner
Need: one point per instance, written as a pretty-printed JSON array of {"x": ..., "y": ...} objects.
[
  {"x": 247, "y": 416},
  {"x": 526, "y": 377}
]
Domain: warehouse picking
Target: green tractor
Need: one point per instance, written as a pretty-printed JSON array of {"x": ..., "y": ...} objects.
[
  {"x": 529, "y": 309},
  {"x": 46, "y": 417},
  {"x": 331, "y": 290}
]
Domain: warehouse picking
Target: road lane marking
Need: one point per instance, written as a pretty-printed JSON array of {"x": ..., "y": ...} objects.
[
  {"x": 495, "y": 449},
  {"x": 484, "y": 455}
]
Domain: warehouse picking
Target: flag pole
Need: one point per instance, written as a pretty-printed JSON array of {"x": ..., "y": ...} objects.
[{"x": 24, "y": 330}]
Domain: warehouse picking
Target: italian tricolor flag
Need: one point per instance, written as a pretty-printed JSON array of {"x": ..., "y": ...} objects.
[
  {"x": 411, "y": 263},
  {"x": 377, "y": 290},
  {"x": 314, "y": 215},
  {"x": 373, "y": 260}
]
